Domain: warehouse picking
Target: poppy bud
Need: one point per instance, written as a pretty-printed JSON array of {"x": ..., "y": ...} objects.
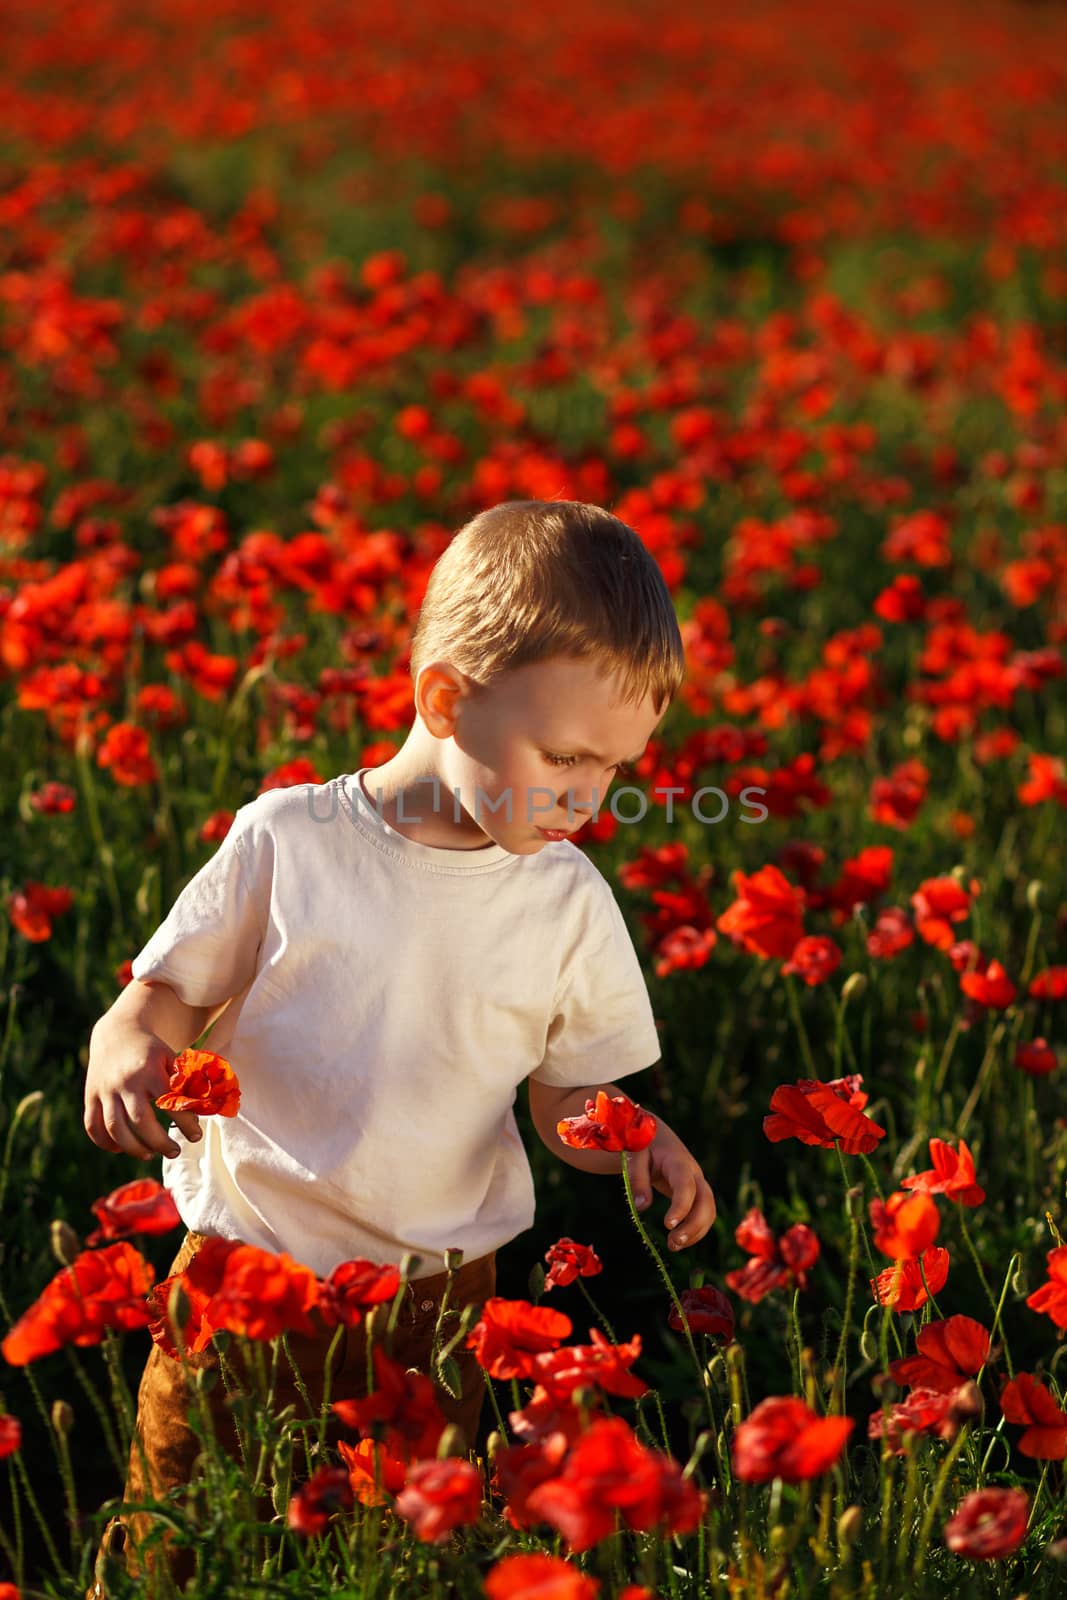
[
  {"x": 854, "y": 984},
  {"x": 453, "y": 1260},
  {"x": 1035, "y": 892},
  {"x": 62, "y": 1417},
  {"x": 65, "y": 1242},
  {"x": 409, "y": 1265},
  {"x": 377, "y": 1321},
  {"x": 849, "y": 1524},
  {"x": 206, "y": 1378},
  {"x": 493, "y": 1444},
  {"x": 28, "y": 1105},
  {"x": 178, "y": 1309},
  {"x": 778, "y": 1536},
  {"x": 452, "y": 1442},
  {"x": 735, "y": 1358}
]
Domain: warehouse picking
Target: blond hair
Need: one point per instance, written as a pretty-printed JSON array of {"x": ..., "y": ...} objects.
[{"x": 528, "y": 580}]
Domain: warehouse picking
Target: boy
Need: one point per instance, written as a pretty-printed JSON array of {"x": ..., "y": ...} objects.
[{"x": 388, "y": 955}]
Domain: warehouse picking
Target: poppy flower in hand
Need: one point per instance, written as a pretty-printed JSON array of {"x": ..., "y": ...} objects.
[
  {"x": 612, "y": 1122},
  {"x": 202, "y": 1082}
]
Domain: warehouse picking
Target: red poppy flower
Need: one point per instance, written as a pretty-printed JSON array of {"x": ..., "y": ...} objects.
[
  {"x": 862, "y": 879},
  {"x": 608, "y": 1472},
  {"x": 363, "y": 1460},
  {"x": 1051, "y": 1297},
  {"x": 203, "y": 1082},
  {"x": 573, "y": 1366},
  {"x": 510, "y": 1332},
  {"x": 1049, "y": 985},
  {"x": 952, "y": 1174},
  {"x": 405, "y": 1402},
  {"x": 100, "y": 1289},
  {"x": 938, "y": 903},
  {"x": 821, "y": 1113},
  {"x": 263, "y": 1294},
  {"x": 31, "y": 909},
  {"x": 1036, "y": 1057},
  {"x": 901, "y": 1285},
  {"x": 783, "y": 1438},
  {"x": 1026, "y": 1400},
  {"x": 545, "y": 1414},
  {"x": 440, "y": 1496},
  {"x": 949, "y": 1352},
  {"x": 54, "y": 799},
  {"x": 772, "y": 1262},
  {"x": 354, "y": 1287},
  {"x": 125, "y": 749},
  {"x": 10, "y": 1434},
  {"x": 568, "y": 1261},
  {"x": 929, "y": 1411},
  {"x": 766, "y": 916},
  {"x": 614, "y": 1122},
  {"x": 989, "y": 1524},
  {"x": 217, "y": 826},
  {"x": 707, "y": 1310},
  {"x": 991, "y": 987},
  {"x": 200, "y": 1282},
  {"x": 904, "y": 1225},
  {"x": 521, "y": 1468},
  {"x": 290, "y": 774},
  {"x": 538, "y": 1577},
  {"x": 142, "y": 1206},
  {"x": 814, "y": 959},
  {"x": 312, "y": 1506},
  {"x": 892, "y": 932}
]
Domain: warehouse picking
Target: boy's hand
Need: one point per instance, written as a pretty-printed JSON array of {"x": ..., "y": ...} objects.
[
  {"x": 666, "y": 1166},
  {"x": 128, "y": 1067}
]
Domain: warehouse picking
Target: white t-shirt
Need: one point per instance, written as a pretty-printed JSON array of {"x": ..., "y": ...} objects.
[{"x": 388, "y": 998}]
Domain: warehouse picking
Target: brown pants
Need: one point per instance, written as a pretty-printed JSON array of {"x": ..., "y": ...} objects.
[{"x": 164, "y": 1403}]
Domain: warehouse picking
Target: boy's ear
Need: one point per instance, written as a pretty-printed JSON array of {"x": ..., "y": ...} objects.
[{"x": 439, "y": 687}]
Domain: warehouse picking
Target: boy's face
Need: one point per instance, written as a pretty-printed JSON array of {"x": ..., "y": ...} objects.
[{"x": 548, "y": 736}]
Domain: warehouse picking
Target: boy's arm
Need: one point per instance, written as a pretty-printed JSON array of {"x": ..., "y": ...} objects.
[
  {"x": 665, "y": 1165},
  {"x": 131, "y": 1049}
]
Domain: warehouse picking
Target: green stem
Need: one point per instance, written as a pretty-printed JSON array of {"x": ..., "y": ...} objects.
[
  {"x": 935, "y": 1500},
  {"x": 100, "y": 1409},
  {"x": 805, "y": 1046},
  {"x": 104, "y": 850},
  {"x": 601, "y": 1318}
]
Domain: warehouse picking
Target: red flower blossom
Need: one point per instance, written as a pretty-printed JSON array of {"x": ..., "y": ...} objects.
[
  {"x": 772, "y": 1262},
  {"x": 328, "y": 1491},
  {"x": 262, "y": 1294},
  {"x": 200, "y": 1281},
  {"x": 362, "y": 1460},
  {"x": 814, "y": 959},
  {"x": 607, "y": 1472},
  {"x": 521, "y": 1468},
  {"x": 32, "y": 908},
  {"x": 991, "y": 987},
  {"x": 217, "y": 826},
  {"x": 354, "y": 1287},
  {"x": 614, "y": 1122},
  {"x": 54, "y": 799},
  {"x": 989, "y": 1524},
  {"x": 10, "y": 1434},
  {"x": 707, "y": 1310},
  {"x": 290, "y": 774},
  {"x": 904, "y": 1225},
  {"x": 896, "y": 801},
  {"x": 100, "y": 1289},
  {"x": 573, "y": 1366},
  {"x": 568, "y": 1261},
  {"x": 1037, "y": 1057},
  {"x": 405, "y": 1402},
  {"x": 924, "y": 1411},
  {"x": 892, "y": 932},
  {"x": 766, "y": 916},
  {"x": 952, "y": 1174},
  {"x": 821, "y": 1113},
  {"x": 510, "y": 1333},
  {"x": 938, "y": 903},
  {"x": 901, "y": 1285},
  {"x": 440, "y": 1496},
  {"x": 141, "y": 1206},
  {"x": 1049, "y": 985},
  {"x": 949, "y": 1352},
  {"x": 1051, "y": 1297},
  {"x": 783, "y": 1438},
  {"x": 538, "y": 1577},
  {"x": 125, "y": 749},
  {"x": 1026, "y": 1400},
  {"x": 203, "y": 1082}
]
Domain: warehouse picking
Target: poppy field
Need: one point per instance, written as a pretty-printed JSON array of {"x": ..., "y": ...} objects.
[{"x": 287, "y": 295}]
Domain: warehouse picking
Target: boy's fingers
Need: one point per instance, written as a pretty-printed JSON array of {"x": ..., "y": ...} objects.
[
  {"x": 695, "y": 1224},
  {"x": 640, "y": 1181},
  {"x": 187, "y": 1123},
  {"x": 146, "y": 1132}
]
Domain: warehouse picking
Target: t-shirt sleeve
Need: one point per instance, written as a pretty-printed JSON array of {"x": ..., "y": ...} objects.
[
  {"x": 602, "y": 1027},
  {"x": 206, "y": 948}
]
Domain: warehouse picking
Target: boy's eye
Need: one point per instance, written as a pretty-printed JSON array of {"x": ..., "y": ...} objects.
[{"x": 623, "y": 767}]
